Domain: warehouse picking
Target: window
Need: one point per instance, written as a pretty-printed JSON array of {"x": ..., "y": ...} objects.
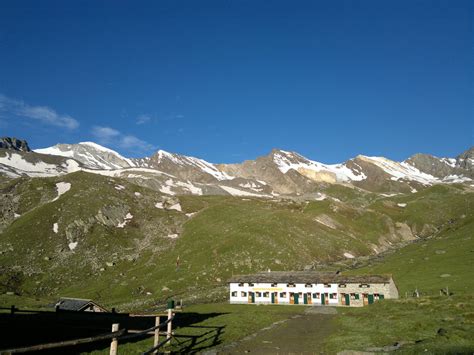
[
  {"x": 333, "y": 296},
  {"x": 308, "y": 285},
  {"x": 258, "y": 294},
  {"x": 342, "y": 285},
  {"x": 243, "y": 294},
  {"x": 327, "y": 285},
  {"x": 241, "y": 284},
  {"x": 234, "y": 294},
  {"x": 316, "y": 295},
  {"x": 283, "y": 294},
  {"x": 300, "y": 294},
  {"x": 364, "y": 285},
  {"x": 266, "y": 294},
  {"x": 250, "y": 284},
  {"x": 274, "y": 284},
  {"x": 354, "y": 296},
  {"x": 291, "y": 285}
]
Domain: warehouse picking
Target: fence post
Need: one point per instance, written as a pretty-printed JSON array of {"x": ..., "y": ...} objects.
[
  {"x": 114, "y": 343},
  {"x": 157, "y": 334},
  {"x": 12, "y": 309},
  {"x": 168, "y": 331}
]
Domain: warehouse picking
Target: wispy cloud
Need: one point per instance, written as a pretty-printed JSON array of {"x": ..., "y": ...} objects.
[
  {"x": 113, "y": 137},
  {"x": 142, "y": 119},
  {"x": 42, "y": 114}
]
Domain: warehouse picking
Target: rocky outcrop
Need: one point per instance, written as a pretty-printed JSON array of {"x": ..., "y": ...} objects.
[{"x": 12, "y": 143}]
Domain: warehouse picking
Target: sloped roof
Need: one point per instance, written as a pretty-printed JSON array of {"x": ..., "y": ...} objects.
[
  {"x": 309, "y": 277},
  {"x": 75, "y": 304}
]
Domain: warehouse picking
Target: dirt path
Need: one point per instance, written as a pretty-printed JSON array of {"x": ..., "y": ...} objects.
[{"x": 301, "y": 334}]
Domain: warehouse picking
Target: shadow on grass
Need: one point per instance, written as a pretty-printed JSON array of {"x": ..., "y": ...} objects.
[
  {"x": 28, "y": 329},
  {"x": 191, "y": 338}
]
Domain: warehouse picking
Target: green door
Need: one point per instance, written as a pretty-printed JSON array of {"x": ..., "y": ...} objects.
[
  {"x": 371, "y": 298},
  {"x": 305, "y": 298},
  {"x": 323, "y": 299},
  {"x": 381, "y": 297},
  {"x": 296, "y": 296},
  {"x": 273, "y": 297},
  {"x": 252, "y": 297},
  {"x": 348, "y": 299}
]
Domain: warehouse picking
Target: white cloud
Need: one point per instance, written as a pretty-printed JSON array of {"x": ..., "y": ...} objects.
[
  {"x": 43, "y": 114},
  {"x": 143, "y": 119},
  {"x": 113, "y": 137},
  {"x": 105, "y": 135}
]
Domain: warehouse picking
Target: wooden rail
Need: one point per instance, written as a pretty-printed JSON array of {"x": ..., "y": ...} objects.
[{"x": 116, "y": 335}]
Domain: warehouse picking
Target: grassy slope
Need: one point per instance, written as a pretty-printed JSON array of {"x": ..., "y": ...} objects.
[
  {"x": 239, "y": 235},
  {"x": 227, "y": 235},
  {"x": 446, "y": 260}
]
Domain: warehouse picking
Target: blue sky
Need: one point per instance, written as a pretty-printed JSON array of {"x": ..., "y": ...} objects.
[{"x": 229, "y": 80}]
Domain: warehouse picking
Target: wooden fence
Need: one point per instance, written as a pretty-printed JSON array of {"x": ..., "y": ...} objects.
[{"x": 116, "y": 336}]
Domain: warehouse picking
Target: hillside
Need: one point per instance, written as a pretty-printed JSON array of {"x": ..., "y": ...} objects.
[
  {"x": 109, "y": 239},
  {"x": 434, "y": 323}
]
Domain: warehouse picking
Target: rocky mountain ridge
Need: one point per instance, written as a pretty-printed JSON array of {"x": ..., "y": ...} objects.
[
  {"x": 279, "y": 173},
  {"x": 14, "y": 144}
]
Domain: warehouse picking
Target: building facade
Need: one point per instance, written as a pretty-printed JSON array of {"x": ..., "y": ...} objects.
[{"x": 311, "y": 288}]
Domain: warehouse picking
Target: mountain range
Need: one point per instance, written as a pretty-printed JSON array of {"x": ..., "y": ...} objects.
[
  {"x": 81, "y": 220},
  {"x": 280, "y": 173}
]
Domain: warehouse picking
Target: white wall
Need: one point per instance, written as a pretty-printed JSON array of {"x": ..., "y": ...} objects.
[{"x": 280, "y": 287}]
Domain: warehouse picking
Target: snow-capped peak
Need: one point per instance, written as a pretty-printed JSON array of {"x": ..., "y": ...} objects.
[
  {"x": 401, "y": 170},
  {"x": 90, "y": 154},
  {"x": 200, "y": 164},
  {"x": 290, "y": 160}
]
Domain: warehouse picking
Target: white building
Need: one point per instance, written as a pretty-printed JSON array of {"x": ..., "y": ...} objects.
[{"x": 311, "y": 288}]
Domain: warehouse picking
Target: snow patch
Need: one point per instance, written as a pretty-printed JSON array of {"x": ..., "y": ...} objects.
[
  {"x": 137, "y": 194},
  {"x": 320, "y": 197},
  {"x": 237, "y": 192},
  {"x": 16, "y": 215},
  {"x": 127, "y": 219},
  {"x": 72, "y": 245},
  {"x": 119, "y": 187},
  {"x": 159, "y": 205},
  {"x": 55, "y": 228},
  {"x": 401, "y": 205},
  {"x": 349, "y": 256},
  {"x": 166, "y": 190},
  {"x": 176, "y": 207},
  {"x": 186, "y": 185},
  {"x": 191, "y": 214},
  {"x": 452, "y": 179},
  {"x": 62, "y": 188},
  {"x": 172, "y": 236}
]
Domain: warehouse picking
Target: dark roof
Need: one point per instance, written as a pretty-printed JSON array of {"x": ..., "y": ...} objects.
[
  {"x": 309, "y": 277},
  {"x": 75, "y": 304}
]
